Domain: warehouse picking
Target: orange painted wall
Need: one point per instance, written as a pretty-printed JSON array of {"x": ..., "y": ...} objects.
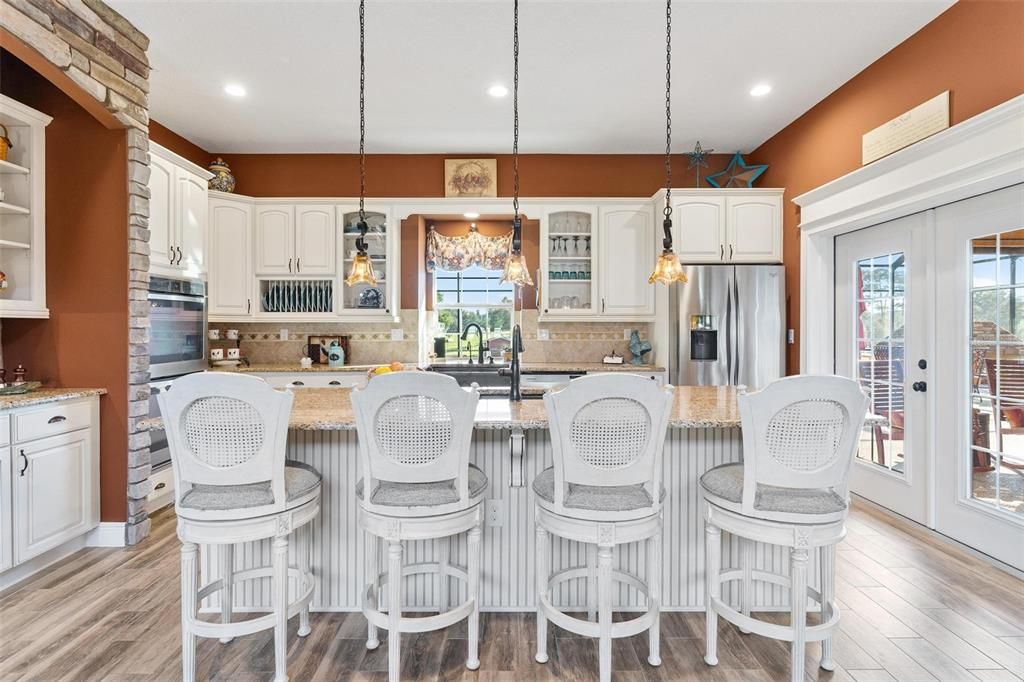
[
  {"x": 975, "y": 49},
  {"x": 85, "y": 341},
  {"x": 165, "y": 137}
]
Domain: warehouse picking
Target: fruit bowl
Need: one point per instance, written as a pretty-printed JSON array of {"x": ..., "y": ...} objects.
[{"x": 389, "y": 369}]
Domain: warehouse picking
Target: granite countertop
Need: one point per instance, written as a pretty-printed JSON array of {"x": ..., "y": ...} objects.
[
  {"x": 41, "y": 396},
  {"x": 330, "y": 409},
  {"x": 527, "y": 367}
]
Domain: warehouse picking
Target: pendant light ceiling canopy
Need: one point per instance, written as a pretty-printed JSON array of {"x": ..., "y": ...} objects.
[
  {"x": 362, "y": 266},
  {"x": 516, "y": 271},
  {"x": 668, "y": 269}
]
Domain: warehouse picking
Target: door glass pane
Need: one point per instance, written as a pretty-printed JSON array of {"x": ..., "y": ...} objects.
[
  {"x": 996, "y": 452},
  {"x": 569, "y": 261},
  {"x": 365, "y": 297},
  {"x": 880, "y": 302}
]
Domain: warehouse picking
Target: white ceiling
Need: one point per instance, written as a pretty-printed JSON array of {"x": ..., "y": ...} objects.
[{"x": 591, "y": 73}]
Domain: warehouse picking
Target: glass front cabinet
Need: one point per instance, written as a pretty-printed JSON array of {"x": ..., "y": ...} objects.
[
  {"x": 365, "y": 300},
  {"x": 568, "y": 254}
]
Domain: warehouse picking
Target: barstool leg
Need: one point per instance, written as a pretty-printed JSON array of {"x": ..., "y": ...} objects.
[
  {"x": 654, "y": 596},
  {"x": 798, "y": 610},
  {"x": 591, "y": 582},
  {"x": 227, "y": 594},
  {"x": 712, "y": 588},
  {"x": 542, "y": 588},
  {"x": 747, "y": 584},
  {"x": 604, "y": 612},
  {"x": 828, "y": 592},
  {"x": 473, "y": 656},
  {"x": 189, "y": 591},
  {"x": 304, "y": 544},
  {"x": 394, "y": 610},
  {"x": 281, "y": 608},
  {"x": 373, "y": 571},
  {"x": 443, "y": 558}
]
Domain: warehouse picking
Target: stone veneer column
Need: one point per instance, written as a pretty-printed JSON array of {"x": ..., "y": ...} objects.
[{"x": 105, "y": 55}]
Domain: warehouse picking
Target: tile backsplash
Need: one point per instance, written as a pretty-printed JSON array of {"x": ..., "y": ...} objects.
[{"x": 371, "y": 343}]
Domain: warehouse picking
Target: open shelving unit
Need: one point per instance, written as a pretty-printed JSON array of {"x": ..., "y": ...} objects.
[{"x": 22, "y": 212}]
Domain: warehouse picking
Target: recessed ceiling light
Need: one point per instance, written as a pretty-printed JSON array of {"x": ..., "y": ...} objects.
[
  {"x": 497, "y": 90},
  {"x": 760, "y": 90},
  {"x": 471, "y": 216},
  {"x": 235, "y": 90}
]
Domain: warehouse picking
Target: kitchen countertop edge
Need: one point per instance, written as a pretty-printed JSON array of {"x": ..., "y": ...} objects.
[{"x": 43, "y": 396}]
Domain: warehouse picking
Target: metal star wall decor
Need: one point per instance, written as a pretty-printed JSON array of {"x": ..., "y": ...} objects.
[
  {"x": 697, "y": 159},
  {"x": 737, "y": 174}
]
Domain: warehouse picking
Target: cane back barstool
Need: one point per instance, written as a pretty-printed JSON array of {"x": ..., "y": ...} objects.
[
  {"x": 227, "y": 435},
  {"x": 608, "y": 437},
  {"x": 800, "y": 435},
  {"x": 414, "y": 431}
]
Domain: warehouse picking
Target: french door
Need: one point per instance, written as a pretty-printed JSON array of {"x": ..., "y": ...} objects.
[
  {"x": 930, "y": 319},
  {"x": 979, "y": 373},
  {"x": 882, "y": 339}
]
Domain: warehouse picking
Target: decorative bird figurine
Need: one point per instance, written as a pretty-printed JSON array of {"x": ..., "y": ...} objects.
[{"x": 638, "y": 348}]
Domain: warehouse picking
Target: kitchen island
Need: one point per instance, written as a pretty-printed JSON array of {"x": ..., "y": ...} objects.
[{"x": 511, "y": 445}]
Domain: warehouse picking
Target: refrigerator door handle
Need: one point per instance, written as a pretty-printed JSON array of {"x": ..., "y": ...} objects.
[
  {"x": 734, "y": 378},
  {"x": 729, "y": 343}
]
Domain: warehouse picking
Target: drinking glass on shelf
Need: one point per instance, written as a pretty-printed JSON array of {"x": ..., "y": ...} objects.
[
  {"x": 574, "y": 302},
  {"x": 576, "y": 246},
  {"x": 586, "y": 246}
]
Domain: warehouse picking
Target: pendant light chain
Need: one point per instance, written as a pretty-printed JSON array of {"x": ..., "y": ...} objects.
[
  {"x": 362, "y": 109},
  {"x": 515, "y": 109},
  {"x": 668, "y": 108}
]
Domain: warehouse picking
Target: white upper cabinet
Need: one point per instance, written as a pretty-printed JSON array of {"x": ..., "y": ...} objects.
[
  {"x": 230, "y": 254},
  {"x": 363, "y": 301},
  {"x": 275, "y": 239},
  {"x": 627, "y": 259},
  {"x": 314, "y": 240},
  {"x": 698, "y": 228},
  {"x": 754, "y": 232},
  {"x": 569, "y": 263},
  {"x": 178, "y": 212},
  {"x": 727, "y": 225}
]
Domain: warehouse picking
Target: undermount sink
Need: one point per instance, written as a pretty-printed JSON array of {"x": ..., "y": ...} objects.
[{"x": 466, "y": 374}]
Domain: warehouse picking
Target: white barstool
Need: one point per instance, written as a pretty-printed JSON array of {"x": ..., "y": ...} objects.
[
  {"x": 799, "y": 438},
  {"x": 414, "y": 433},
  {"x": 608, "y": 436},
  {"x": 227, "y": 435}
]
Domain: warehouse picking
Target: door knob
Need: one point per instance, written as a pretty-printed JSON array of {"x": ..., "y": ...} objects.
[{"x": 919, "y": 386}]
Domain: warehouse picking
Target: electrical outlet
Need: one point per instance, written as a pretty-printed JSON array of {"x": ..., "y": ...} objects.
[
  {"x": 495, "y": 513},
  {"x": 542, "y": 334},
  {"x": 627, "y": 333},
  {"x": 398, "y": 334},
  {"x": 283, "y": 334},
  {"x": 791, "y": 336}
]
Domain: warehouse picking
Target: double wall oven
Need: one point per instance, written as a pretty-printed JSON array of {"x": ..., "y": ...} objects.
[{"x": 177, "y": 344}]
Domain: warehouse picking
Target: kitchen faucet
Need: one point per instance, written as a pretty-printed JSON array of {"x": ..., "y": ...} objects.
[
  {"x": 514, "y": 370},
  {"x": 480, "y": 341}
]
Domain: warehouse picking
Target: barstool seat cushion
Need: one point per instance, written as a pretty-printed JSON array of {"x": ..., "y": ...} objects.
[
  {"x": 725, "y": 482},
  {"x": 392, "y": 494},
  {"x": 594, "y": 497},
  {"x": 299, "y": 479}
]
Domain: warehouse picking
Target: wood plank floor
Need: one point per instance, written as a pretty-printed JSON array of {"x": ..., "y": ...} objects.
[{"x": 913, "y": 609}]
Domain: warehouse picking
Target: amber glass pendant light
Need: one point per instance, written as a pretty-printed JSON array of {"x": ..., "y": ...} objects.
[
  {"x": 516, "y": 272},
  {"x": 668, "y": 269},
  {"x": 362, "y": 266}
]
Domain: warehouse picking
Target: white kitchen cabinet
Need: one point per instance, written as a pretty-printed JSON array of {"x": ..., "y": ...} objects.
[
  {"x": 275, "y": 239},
  {"x": 230, "y": 243},
  {"x": 727, "y": 225},
  {"x": 569, "y": 263},
  {"x": 318, "y": 379},
  {"x": 6, "y": 509},
  {"x": 362, "y": 302},
  {"x": 754, "y": 229},
  {"x": 627, "y": 260},
  {"x": 314, "y": 240},
  {"x": 178, "y": 213}
]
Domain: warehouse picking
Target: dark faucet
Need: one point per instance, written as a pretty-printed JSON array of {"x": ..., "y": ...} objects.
[
  {"x": 514, "y": 370},
  {"x": 480, "y": 341}
]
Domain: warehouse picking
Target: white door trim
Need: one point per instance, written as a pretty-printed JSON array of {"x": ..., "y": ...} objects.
[{"x": 979, "y": 155}]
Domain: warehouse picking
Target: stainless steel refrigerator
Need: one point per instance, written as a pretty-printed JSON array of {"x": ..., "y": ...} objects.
[{"x": 727, "y": 326}]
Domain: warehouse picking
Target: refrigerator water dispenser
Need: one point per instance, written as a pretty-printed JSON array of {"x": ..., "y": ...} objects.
[{"x": 703, "y": 338}]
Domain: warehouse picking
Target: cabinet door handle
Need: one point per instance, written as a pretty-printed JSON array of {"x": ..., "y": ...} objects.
[
  {"x": 298, "y": 265},
  {"x": 289, "y": 265},
  {"x": 298, "y": 383},
  {"x": 730, "y": 251},
  {"x": 24, "y": 464},
  {"x": 180, "y": 255},
  {"x": 56, "y": 419},
  {"x": 334, "y": 383},
  {"x": 602, "y": 305},
  {"x": 248, "y": 306},
  {"x": 721, "y": 252}
]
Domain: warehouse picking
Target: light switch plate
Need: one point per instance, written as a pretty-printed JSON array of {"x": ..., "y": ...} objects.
[
  {"x": 283, "y": 334},
  {"x": 791, "y": 336},
  {"x": 626, "y": 333},
  {"x": 398, "y": 334},
  {"x": 542, "y": 334}
]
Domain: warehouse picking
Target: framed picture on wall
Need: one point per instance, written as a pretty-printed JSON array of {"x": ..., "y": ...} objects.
[{"x": 471, "y": 177}]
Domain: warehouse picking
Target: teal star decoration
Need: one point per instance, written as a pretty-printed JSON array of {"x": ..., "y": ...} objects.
[
  {"x": 737, "y": 174},
  {"x": 698, "y": 160}
]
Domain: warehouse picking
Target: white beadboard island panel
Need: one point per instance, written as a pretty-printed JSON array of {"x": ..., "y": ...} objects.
[{"x": 508, "y": 550}]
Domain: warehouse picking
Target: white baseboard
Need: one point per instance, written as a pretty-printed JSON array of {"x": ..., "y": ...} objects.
[{"x": 107, "y": 534}]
